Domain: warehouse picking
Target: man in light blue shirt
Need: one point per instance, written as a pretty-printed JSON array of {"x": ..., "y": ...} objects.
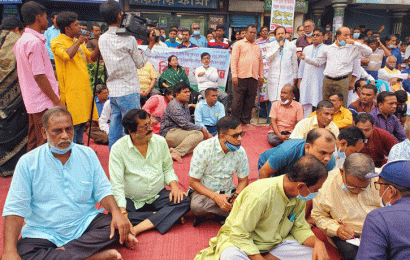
[
  {"x": 54, "y": 190},
  {"x": 196, "y": 37},
  {"x": 401, "y": 151},
  {"x": 209, "y": 110},
  {"x": 50, "y": 34}
]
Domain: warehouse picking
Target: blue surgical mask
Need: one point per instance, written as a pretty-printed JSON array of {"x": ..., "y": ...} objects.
[
  {"x": 83, "y": 32},
  {"x": 342, "y": 43},
  {"x": 356, "y": 35},
  {"x": 231, "y": 147},
  {"x": 342, "y": 155},
  {"x": 61, "y": 151},
  {"x": 197, "y": 32},
  {"x": 309, "y": 34},
  {"x": 271, "y": 39},
  {"x": 346, "y": 189},
  {"x": 311, "y": 196},
  {"x": 391, "y": 46},
  {"x": 172, "y": 39},
  {"x": 327, "y": 29}
]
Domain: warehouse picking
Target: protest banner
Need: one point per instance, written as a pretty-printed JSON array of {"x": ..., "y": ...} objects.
[
  {"x": 282, "y": 13},
  {"x": 264, "y": 50},
  {"x": 190, "y": 59}
]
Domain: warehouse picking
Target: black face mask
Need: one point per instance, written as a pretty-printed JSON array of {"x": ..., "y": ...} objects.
[{"x": 389, "y": 67}]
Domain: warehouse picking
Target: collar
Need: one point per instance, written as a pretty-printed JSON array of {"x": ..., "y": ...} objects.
[
  {"x": 290, "y": 105},
  {"x": 362, "y": 106},
  {"x": 112, "y": 30},
  {"x": 317, "y": 46},
  {"x": 218, "y": 146},
  {"x": 378, "y": 112},
  {"x": 394, "y": 71},
  {"x": 68, "y": 38},
  {"x": 315, "y": 123},
  {"x": 246, "y": 40},
  {"x": 35, "y": 33},
  {"x": 131, "y": 145}
]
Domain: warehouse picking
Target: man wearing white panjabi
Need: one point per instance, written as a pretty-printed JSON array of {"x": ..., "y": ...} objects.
[
  {"x": 283, "y": 65},
  {"x": 310, "y": 77}
]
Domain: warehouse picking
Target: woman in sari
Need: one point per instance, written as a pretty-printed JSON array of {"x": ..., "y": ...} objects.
[
  {"x": 172, "y": 75},
  {"x": 13, "y": 115}
]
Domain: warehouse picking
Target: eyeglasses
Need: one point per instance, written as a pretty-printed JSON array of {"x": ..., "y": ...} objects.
[
  {"x": 236, "y": 136},
  {"x": 377, "y": 185},
  {"x": 365, "y": 140},
  {"x": 354, "y": 187},
  {"x": 316, "y": 35},
  {"x": 145, "y": 127},
  {"x": 195, "y": 28}
]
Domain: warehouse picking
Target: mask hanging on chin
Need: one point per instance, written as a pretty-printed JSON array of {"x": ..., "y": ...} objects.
[
  {"x": 389, "y": 67},
  {"x": 342, "y": 43},
  {"x": 231, "y": 147},
  {"x": 311, "y": 196},
  {"x": 381, "y": 199},
  {"x": 342, "y": 155},
  {"x": 285, "y": 102},
  {"x": 57, "y": 150},
  {"x": 309, "y": 34}
]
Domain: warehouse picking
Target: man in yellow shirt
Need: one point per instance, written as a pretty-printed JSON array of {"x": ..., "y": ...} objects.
[
  {"x": 71, "y": 57},
  {"x": 343, "y": 117},
  {"x": 344, "y": 201},
  {"x": 148, "y": 77},
  {"x": 267, "y": 220}
]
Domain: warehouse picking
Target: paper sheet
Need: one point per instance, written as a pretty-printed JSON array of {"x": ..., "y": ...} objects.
[{"x": 354, "y": 241}]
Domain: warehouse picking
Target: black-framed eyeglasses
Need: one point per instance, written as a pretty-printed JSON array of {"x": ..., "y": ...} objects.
[
  {"x": 365, "y": 140},
  {"x": 196, "y": 28},
  {"x": 377, "y": 185},
  {"x": 145, "y": 127},
  {"x": 316, "y": 35},
  {"x": 236, "y": 136}
]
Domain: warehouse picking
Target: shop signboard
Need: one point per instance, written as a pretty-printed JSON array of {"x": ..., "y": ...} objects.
[
  {"x": 10, "y": 2},
  {"x": 392, "y": 2},
  {"x": 190, "y": 59},
  {"x": 282, "y": 12},
  {"x": 214, "y": 20},
  {"x": 162, "y": 22},
  {"x": 79, "y": 1},
  {"x": 209, "y": 4},
  {"x": 10, "y": 10}
]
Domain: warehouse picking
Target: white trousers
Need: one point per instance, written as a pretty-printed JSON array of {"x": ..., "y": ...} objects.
[{"x": 287, "y": 250}]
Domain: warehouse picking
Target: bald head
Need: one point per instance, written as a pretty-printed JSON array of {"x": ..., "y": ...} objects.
[
  {"x": 320, "y": 133},
  {"x": 358, "y": 165}
]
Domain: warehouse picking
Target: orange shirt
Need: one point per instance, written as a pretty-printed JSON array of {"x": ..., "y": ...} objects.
[
  {"x": 246, "y": 60},
  {"x": 286, "y": 117}
]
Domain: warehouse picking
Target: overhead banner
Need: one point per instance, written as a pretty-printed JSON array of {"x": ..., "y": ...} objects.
[
  {"x": 282, "y": 12},
  {"x": 212, "y": 4},
  {"x": 190, "y": 59}
]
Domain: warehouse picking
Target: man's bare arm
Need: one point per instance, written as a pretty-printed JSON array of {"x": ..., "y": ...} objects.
[
  {"x": 12, "y": 229},
  {"x": 266, "y": 171}
]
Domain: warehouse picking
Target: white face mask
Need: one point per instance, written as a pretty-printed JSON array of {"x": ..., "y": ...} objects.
[
  {"x": 381, "y": 199},
  {"x": 206, "y": 66},
  {"x": 285, "y": 102},
  {"x": 180, "y": 36}
]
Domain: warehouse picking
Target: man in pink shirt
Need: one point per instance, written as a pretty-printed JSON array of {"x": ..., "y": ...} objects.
[
  {"x": 284, "y": 115},
  {"x": 38, "y": 84},
  {"x": 247, "y": 75}
]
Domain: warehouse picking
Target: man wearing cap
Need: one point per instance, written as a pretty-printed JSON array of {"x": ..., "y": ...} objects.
[{"x": 385, "y": 230}]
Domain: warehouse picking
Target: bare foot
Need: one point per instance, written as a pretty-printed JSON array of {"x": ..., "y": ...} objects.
[
  {"x": 171, "y": 150},
  {"x": 131, "y": 242},
  {"x": 182, "y": 220},
  {"x": 110, "y": 254},
  {"x": 176, "y": 157},
  {"x": 60, "y": 248}
]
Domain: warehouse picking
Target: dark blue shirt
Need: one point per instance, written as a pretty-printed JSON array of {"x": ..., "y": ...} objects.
[
  {"x": 386, "y": 233},
  {"x": 396, "y": 53},
  {"x": 99, "y": 105},
  {"x": 282, "y": 157},
  {"x": 406, "y": 82},
  {"x": 391, "y": 124}
]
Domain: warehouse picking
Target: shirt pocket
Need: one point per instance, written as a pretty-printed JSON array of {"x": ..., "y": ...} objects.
[
  {"x": 83, "y": 192},
  {"x": 285, "y": 227}
]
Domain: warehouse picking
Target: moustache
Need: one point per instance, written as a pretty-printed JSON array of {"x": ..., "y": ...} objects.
[
  {"x": 64, "y": 142},
  {"x": 149, "y": 132}
]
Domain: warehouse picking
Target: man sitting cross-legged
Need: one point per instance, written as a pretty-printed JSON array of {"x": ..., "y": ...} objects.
[
  {"x": 212, "y": 168},
  {"x": 140, "y": 164},
  {"x": 268, "y": 218},
  {"x": 54, "y": 190}
]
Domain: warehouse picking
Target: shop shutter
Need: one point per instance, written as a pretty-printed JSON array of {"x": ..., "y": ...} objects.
[{"x": 243, "y": 20}]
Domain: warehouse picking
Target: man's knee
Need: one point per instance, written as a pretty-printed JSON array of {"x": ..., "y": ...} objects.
[
  {"x": 198, "y": 205},
  {"x": 233, "y": 253}
]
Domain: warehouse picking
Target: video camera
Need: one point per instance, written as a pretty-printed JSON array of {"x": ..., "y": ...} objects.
[{"x": 133, "y": 24}]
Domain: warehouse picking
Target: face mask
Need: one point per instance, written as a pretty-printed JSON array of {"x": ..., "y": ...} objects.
[
  {"x": 197, "y": 32},
  {"x": 356, "y": 35},
  {"x": 342, "y": 43},
  {"x": 328, "y": 29},
  {"x": 309, "y": 34},
  {"x": 391, "y": 46},
  {"x": 311, "y": 196},
  {"x": 271, "y": 39},
  {"x": 389, "y": 67},
  {"x": 172, "y": 39},
  {"x": 206, "y": 66},
  {"x": 57, "y": 150},
  {"x": 346, "y": 189},
  {"x": 381, "y": 199},
  {"x": 342, "y": 155},
  {"x": 285, "y": 102},
  {"x": 231, "y": 147},
  {"x": 180, "y": 36}
]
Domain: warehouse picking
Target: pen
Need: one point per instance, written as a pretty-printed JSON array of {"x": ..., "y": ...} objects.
[{"x": 345, "y": 226}]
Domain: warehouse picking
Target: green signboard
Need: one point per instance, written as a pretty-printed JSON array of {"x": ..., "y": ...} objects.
[{"x": 300, "y": 7}]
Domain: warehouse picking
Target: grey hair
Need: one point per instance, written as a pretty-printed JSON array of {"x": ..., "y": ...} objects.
[
  {"x": 358, "y": 165},
  {"x": 391, "y": 57},
  {"x": 55, "y": 111},
  {"x": 99, "y": 88}
]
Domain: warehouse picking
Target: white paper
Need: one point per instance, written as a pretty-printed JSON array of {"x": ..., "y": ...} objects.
[{"x": 354, "y": 241}]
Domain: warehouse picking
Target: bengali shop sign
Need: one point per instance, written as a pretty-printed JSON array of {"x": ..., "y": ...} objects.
[
  {"x": 177, "y": 3},
  {"x": 282, "y": 12},
  {"x": 190, "y": 59}
]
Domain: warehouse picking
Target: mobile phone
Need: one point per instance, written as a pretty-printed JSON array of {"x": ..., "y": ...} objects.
[{"x": 230, "y": 199}]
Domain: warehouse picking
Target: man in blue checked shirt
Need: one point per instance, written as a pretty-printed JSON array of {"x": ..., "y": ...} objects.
[
  {"x": 209, "y": 110},
  {"x": 54, "y": 190}
]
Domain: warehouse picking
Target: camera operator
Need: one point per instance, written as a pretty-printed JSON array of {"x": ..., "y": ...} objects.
[{"x": 122, "y": 59}]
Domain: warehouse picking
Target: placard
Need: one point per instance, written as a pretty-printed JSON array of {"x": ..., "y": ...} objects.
[{"x": 282, "y": 12}]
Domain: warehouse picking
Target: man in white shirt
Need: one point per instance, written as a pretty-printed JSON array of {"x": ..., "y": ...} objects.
[
  {"x": 122, "y": 59},
  {"x": 104, "y": 120},
  {"x": 283, "y": 65},
  {"x": 310, "y": 77},
  {"x": 339, "y": 58},
  {"x": 207, "y": 77}
]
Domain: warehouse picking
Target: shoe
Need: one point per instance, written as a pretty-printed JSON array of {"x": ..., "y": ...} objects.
[{"x": 198, "y": 221}]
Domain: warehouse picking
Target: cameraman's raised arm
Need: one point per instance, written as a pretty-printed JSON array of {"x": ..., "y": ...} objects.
[{"x": 141, "y": 59}]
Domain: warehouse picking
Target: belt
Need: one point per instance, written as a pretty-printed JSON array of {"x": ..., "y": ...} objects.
[{"x": 338, "y": 78}]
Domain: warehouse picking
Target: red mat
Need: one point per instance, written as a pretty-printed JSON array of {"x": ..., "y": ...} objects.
[{"x": 182, "y": 242}]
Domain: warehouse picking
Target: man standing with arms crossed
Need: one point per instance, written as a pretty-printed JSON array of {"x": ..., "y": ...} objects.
[
  {"x": 38, "y": 84},
  {"x": 122, "y": 59},
  {"x": 247, "y": 75}
]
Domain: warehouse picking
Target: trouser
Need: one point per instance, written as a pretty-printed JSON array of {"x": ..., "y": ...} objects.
[
  {"x": 202, "y": 205},
  {"x": 331, "y": 86},
  {"x": 119, "y": 107},
  {"x": 273, "y": 139},
  {"x": 183, "y": 141},
  {"x": 223, "y": 97},
  {"x": 212, "y": 129},
  {"x": 35, "y": 137},
  {"x": 98, "y": 135},
  {"x": 348, "y": 250},
  {"x": 79, "y": 133},
  {"x": 95, "y": 238},
  {"x": 244, "y": 95},
  {"x": 166, "y": 212},
  {"x": 288, "y": 249},
  {"x": 307, "y": 110}
]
